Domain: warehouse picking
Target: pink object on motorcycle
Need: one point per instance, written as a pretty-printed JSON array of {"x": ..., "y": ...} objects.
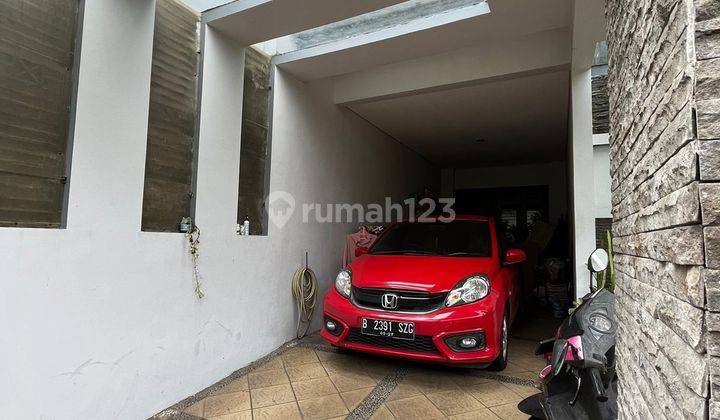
[{"x": 574, "y": 348}]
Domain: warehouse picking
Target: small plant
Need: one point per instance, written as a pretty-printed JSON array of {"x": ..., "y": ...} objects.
[{"x": 193, "y": 236}]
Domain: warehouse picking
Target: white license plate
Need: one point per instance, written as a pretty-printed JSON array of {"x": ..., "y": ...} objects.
[{"x": 392, "y": 329}]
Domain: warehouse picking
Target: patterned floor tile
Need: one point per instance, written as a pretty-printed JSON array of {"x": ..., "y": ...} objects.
[
  {"x": 414, "y": 408},
  {"x": 273, "y": 395},
  {"x": 227, "y": 403},
  {"x": 353, "y": 398},
  {"x": 454, "y": 402},
  {"x": 492, "y": 394},
  {"x": 305, "y": 371},
  {"x": 266, "y": 378},
  {"x": 323, "y": 407},
  {"x": 288, "y": 411},
  {"x": 313, "y": 388}
]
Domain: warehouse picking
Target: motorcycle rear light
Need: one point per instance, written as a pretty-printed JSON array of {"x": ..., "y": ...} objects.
[{"x": 545, "y": 372}]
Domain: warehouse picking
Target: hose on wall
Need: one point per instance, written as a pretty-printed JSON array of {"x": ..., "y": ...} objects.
[{"x": 304, "y": 289}]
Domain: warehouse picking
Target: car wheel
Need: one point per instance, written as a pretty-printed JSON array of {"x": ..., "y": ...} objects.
[{"x": 500, "y": 363}]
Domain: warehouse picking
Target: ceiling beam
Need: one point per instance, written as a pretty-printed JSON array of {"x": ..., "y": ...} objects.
[
  {"x": 252, "y": 21},
  {"x": 536, "y": 53}
]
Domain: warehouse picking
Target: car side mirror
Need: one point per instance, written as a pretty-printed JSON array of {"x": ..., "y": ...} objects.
[
  {"x": 514, "y": 256},
  {"x": 598, "y": 260},
  {"x": 361, "y": 250}
]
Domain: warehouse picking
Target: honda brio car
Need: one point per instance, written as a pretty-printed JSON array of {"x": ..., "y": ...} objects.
[{"x": 436, "y": 291}]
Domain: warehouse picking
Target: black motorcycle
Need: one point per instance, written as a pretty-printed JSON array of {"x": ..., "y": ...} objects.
[{"x": 580, "y": 381}]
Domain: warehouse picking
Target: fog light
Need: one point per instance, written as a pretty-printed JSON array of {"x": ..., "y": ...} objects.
[
  {"x": 468, "y": 342},
  {"x": 330, "y": 325}
]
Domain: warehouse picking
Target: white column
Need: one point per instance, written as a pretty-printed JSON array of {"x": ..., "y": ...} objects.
[
  {"x": 583, "y": 189},
  {"x": 108, "y": 160},
  {"x": 588, "y": 29},
  {"x": 220, "y": 127}
]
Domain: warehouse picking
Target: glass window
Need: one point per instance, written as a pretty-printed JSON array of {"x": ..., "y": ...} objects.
[{"x": 457, "y": 238}]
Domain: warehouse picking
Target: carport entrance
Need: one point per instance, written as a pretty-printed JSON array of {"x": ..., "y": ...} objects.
[
  {"x": 153, "y": 122},
  {"x": 490, "y": 118}
]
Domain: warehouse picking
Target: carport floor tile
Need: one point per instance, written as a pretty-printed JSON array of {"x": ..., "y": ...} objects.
[
  {"x": 353, "y": 398},
  {"x": 323, "y": 407},
  {"x": 242, "y": 415},
  {"x": 308, "y": 383},
  {"x": 414, "y": 408},
  {"x": 352, "y": 381},
  {"x": 272, "y": 395},
  {"x": 404, "y": 390},
  {"x": 305, "y": 372},
  {"x": 382, "y": 413},
  {"x": 289, "y": 411},
  {"x": 226, "y": 404},
  {"x": 313, "y": 388},
  {"x": 240, "y": 384},
  {"x": 454, "y": 402},
  {"x": 492, "y": 394},
  {"x": 267, "y": 378},
  {"x": 508, "y": 412},
  {"x": 483, "y": 414},
  {"x": 299, "y": 356}
]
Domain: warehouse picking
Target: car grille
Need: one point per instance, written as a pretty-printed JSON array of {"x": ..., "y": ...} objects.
[
  {"x": 421, "y": 344},
  {"x": 407, "y": 301}
]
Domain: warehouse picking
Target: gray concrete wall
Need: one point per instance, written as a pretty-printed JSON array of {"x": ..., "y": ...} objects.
[{"x": 662, "y": 71}]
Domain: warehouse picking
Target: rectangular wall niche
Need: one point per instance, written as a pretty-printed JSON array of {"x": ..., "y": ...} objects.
[
  {"x": 254, "y": 144},
  {"x": 600, "y": 106},
  {"x": 37, "y": 58},
  {"x": 168, "y": 192}
]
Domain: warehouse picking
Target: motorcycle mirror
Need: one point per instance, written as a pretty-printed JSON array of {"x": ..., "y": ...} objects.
[{"x": 598, "y": 260}]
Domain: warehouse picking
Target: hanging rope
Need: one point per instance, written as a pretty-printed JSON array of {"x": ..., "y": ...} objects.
[{"x": 304, "y": 289}]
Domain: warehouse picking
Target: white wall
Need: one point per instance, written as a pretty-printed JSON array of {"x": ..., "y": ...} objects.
[
  {"x": 601, "y": 176},
  {"x": 100, "y": 319},
  {"x": 552, "y": 174}
]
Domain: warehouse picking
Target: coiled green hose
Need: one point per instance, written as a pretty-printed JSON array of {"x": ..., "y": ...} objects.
[{"x": 304, "y": 289}]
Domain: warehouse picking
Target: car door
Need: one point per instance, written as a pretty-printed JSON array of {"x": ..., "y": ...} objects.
[{"x": 510, "y": 273}]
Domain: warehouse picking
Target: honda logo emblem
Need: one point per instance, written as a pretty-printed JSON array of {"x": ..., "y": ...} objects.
[{"x": 389, "y": 301}]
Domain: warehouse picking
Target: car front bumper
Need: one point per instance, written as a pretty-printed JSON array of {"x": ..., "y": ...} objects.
[{"x": 431, "y": 330}]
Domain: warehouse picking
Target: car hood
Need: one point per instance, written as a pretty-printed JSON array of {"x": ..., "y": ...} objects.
[{"x": 420, "y": 273}]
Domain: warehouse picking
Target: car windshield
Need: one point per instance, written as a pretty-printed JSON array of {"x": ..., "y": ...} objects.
[{"x": 459, "y": 238}]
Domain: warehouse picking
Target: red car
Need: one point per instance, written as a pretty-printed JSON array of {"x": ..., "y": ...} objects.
[{"x": 435, "y": 291}]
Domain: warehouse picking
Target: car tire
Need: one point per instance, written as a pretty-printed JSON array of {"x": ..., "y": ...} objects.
[{"x": 500, "y": 363}]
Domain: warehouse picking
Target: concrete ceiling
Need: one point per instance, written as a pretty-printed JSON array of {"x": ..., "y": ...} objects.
[
  {"x": 252, "y": 21},
  {"x": 521, "y": 120},
  {"x": 202, "y": 5},
  {"x": 507, "y": 19}
]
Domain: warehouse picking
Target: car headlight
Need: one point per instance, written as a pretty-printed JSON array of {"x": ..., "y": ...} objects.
[
  {"x": 469, "y": 290},
  {"x": 343, "y": 282}
]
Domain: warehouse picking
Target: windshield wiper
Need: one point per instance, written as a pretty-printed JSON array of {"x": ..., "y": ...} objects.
[
  {"x": 405, "y": 251},
  {"x": 465, "y": 254}
]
